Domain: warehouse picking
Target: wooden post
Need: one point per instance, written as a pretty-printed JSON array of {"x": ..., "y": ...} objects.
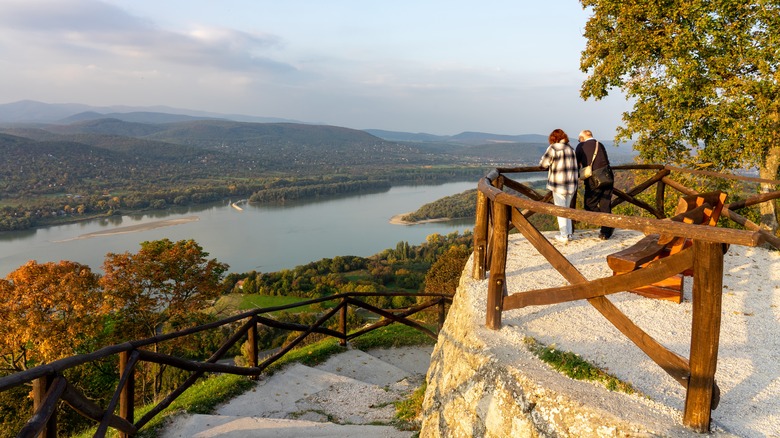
[
  {"x": 480, "y": 237},
  {"x": 126, "y": 396},
  {"x": 705, "y": 333},
  {"x": 40, "y": 387},
  {"x": 251, "y": 336},
  {"x": 442, "y": 312},
  {"x": 660, "y": 192},
  {"x": 343, "y": 322},
  {"x": 497, "y": 282}
]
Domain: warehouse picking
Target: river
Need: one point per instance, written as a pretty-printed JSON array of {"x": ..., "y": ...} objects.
[{"x": 265, "y": 238}]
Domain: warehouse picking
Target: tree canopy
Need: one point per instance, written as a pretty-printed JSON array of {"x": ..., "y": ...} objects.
[
  {"x": 703, "y": 77},
  {"x": 164, "y": 282},
  {"x": 48, "y": 311}
]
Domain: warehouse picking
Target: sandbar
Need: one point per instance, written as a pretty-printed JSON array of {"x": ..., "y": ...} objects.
[
  {"x": 136, "y": 228},
  {"x": 398, "y": 220}
]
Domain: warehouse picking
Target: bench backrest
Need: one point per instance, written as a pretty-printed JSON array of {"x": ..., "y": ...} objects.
[
  {"x": 715, "y": 199},
  {"x": 702, "y": 209}
]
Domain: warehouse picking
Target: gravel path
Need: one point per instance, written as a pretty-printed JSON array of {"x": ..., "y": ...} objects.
[{"x": 748, "y": 371}]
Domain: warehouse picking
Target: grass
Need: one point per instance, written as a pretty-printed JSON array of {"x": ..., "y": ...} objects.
[
  {"x": 256, "y": 301},
  {"x": 407, "y": 412},
  {"x": 574, "y": 366},
  {"x": 394, "y": 335}
]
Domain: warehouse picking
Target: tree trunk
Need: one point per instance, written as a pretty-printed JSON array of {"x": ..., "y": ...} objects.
[{"x": 768, "y": 170}]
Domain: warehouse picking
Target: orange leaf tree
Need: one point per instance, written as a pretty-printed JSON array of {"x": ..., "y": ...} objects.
[
  {"x": 166, "y": 283},
  {"x": 48, "y": 311},
  {"x": 162, "y": 288}
]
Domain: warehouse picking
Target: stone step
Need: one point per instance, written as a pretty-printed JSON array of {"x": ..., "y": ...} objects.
[
  {"x": 352, "y": 388},
  {"x": 224, "y": 426},
  {"x": 365, "y": 367}
]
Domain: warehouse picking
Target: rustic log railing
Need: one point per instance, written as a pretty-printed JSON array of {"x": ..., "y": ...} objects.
[
  {"x": 499, "y": 209},
  {"x": 50, "y": 385}
]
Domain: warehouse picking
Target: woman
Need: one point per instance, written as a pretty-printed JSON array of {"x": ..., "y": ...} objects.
[{"x": 561, "y": 163}]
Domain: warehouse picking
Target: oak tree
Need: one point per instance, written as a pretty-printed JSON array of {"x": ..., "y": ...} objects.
[
  {"x": 164, "y": 283},
  {"x": 49, "y": 311},
  {"x": 163, "y": 287},
  {"x": 703, "y": 78}
]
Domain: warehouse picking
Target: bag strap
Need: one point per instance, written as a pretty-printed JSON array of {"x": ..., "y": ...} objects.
[{"x": 596, "y": 152}]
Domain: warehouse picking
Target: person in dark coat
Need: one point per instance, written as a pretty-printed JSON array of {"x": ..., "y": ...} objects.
[{"x": 598, "y": 200}]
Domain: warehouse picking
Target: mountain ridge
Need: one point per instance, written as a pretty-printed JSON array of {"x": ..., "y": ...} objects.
[{"x": 35, "y": 112}]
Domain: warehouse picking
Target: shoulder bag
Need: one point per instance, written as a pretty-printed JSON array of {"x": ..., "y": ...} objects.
[{"x": 602, "y": 177}]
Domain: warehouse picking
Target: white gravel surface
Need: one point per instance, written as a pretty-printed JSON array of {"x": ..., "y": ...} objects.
[{"x": 748, "y": 371}]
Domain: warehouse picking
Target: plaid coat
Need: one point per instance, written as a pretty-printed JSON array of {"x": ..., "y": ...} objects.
[{"x": 561, "y": 163}]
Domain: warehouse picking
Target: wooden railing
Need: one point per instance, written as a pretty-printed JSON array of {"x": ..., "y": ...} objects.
[
  {"x": 50, "y": 385},
  {"x": 499, "y": 209}
]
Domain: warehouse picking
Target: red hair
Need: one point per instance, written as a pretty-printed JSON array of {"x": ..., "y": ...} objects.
[{"x": 558, "y": 136}]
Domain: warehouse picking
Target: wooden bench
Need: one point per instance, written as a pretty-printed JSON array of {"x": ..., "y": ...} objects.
[{"x": 703, "y": 209}]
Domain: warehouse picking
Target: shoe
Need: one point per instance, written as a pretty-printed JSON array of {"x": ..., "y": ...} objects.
[
  {"x": 562, "y": 239},
  {"x": 570, "y": 237},
  {"x": 603, "y": 236}
]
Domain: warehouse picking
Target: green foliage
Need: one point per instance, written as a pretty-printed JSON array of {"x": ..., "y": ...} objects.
[
  {"x": 403, "y": 267},
  {"x": 462, "y": 205},
  {"x": 703, "y": 76},
  {"x": 574, "y": 366},
  {"x": 15, "y": 409},
  {"x": 444, "y": 275}
]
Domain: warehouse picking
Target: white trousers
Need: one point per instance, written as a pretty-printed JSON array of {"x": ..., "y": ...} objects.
[{"x": 564, "y": 224}]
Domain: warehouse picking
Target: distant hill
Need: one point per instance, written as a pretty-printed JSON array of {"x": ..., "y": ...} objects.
[
  {"x": 273, "y": 141},
  {"x": 30, "y": 111},
  {"x": 464, "y": 138},
  {"x": 484, "y": 138},
  {"x": 407, "y": 136},
  {"x": 506, "y": 154},
  {"x": 135, "y": 117}
]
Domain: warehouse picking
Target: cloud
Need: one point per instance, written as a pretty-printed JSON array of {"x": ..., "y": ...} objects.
[{"x": 109, "y": 34}]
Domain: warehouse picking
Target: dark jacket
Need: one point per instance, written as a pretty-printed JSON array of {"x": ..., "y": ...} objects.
[{"x": 584, "y": 153}]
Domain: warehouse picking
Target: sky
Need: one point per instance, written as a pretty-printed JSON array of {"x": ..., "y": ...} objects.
[{"x": 436, "y": 66}]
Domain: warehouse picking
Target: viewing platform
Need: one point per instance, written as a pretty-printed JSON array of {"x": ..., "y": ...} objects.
[{"x": 485, "y": 382}]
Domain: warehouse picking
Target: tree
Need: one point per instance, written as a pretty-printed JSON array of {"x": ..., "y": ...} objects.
[
  {"x": 164, "y": 287},
  {"x": 703, "y": 75},
  {"x": 164, "y": 283},
  {"x": 49, "y": 311},
  {"x": 444, "y": 275}
]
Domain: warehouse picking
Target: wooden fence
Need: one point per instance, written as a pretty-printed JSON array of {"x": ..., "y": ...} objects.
[
  {"x": 503, "y": 203},
  {"x": 50, "y": 385}
]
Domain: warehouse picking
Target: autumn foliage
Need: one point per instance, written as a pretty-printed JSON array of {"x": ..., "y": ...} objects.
[
  {"x": 54, "y": 310},
  {"x": 164, "y": 283},
  {"x": 49, "y": 311}
]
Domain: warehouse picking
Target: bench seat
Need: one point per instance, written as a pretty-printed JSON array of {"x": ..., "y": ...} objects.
[{"x": 701, "y": 209}]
